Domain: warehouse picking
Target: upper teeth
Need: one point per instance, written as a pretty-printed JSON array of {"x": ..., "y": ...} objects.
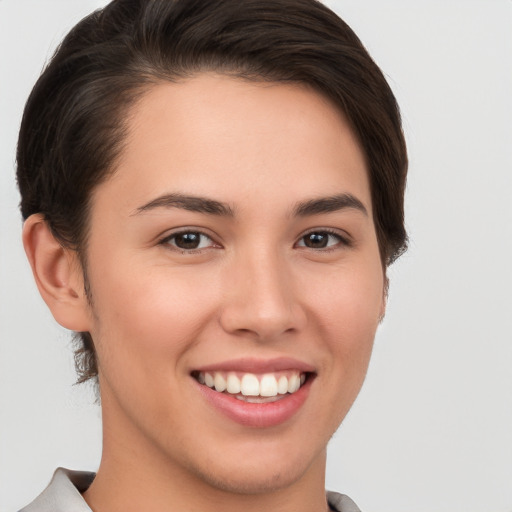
[{"x": 250, "y": 384}]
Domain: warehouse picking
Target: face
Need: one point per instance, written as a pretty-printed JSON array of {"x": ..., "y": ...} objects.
[{"x": 236, "y": 282}]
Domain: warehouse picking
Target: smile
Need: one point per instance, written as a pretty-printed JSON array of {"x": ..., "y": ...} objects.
[
  {"x": 251, "y": 387},
  {"x": 256, "y": 394}
]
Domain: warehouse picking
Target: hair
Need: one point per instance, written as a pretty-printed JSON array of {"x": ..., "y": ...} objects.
[{"x": 74, "y": 123}]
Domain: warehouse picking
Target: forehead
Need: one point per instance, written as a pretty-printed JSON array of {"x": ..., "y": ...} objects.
[{"x": 233, "y": 138}]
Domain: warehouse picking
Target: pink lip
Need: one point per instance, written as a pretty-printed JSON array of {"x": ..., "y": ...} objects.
[
  {"x": 251, "y": 365},
  {"x": 257, "y": 415}
]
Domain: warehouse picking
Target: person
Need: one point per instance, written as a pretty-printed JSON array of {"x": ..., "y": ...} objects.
[{"x": 212, "y": 192}]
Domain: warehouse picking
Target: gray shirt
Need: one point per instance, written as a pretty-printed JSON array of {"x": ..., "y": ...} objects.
[{"x": 63, "y": 494}]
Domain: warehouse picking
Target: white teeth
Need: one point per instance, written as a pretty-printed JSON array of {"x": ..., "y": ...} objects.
[
  {"x": 250, "y": 385},
  {"x": 220, "y": 382},
  {"x": 282, "y": 385},
  {"x": 233, "y": 386},
  {"x": 293, "y": 383},
  {"x": 208, "y": 380},
  {"x": 268, "y": 385}
]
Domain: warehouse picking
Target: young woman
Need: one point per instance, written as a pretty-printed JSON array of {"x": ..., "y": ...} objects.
[{"x": 212, "y": 194}]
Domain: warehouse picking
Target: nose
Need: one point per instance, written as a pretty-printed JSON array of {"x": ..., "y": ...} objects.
[{"x": 261, "y": 299}]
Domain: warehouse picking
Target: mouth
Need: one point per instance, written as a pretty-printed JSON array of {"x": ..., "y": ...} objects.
[
  {"x": 254, "y": 388},
  {"x": 256, "y": 393}
]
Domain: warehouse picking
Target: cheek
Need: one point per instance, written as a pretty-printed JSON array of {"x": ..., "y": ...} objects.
[
  {"x": 350, "y": 299},
  {"x": 348, "y": 308},
  {"x": 149, "y": 317}
]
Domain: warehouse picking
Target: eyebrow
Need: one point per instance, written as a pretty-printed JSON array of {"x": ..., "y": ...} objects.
[
  {"x": 190, "y": 203},
  {"x": 328, "y": 205},
  {"x": 212, "y": 207}
]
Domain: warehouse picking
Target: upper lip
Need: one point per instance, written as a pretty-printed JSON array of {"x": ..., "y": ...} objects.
[{"x": 252, "y": 365}]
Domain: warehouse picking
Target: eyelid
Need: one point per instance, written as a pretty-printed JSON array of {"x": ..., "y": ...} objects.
[
  {"x": 345, "y": 240},
  {"x": 165, "y": 239}
]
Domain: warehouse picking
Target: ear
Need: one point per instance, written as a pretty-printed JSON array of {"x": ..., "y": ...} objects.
[{"x": 58, "y": 275}]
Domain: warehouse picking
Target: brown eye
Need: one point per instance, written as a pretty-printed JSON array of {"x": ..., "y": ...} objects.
[
  {"x": 316, "y": 240},
  {"x": 320, "y": 240},
  {"x": 189, "y": 240}
]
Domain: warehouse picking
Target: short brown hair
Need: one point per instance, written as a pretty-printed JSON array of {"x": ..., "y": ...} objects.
[{"x": 73, "y": 126}]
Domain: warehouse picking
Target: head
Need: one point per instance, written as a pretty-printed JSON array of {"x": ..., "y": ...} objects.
[
  {"x": 122, "y": 64},
  {"x": 81, "y": 103}
]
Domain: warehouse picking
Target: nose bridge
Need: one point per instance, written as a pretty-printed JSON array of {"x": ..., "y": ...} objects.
[{"x": 263, "y": 300}]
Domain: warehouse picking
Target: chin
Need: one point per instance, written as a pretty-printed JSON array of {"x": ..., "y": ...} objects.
[
  {"x": 253, "y": 480},
  {"x": 268, "y": 470}
]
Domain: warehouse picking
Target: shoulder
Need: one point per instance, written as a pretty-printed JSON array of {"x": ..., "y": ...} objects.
[
  {"x": 341, "y": 503},
  {"x": 63, "y": 493}
]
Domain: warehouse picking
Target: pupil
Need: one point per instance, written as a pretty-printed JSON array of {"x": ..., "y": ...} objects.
[
  {"x": 317, "y": 240},
  {"x": 188, "y": 240}
]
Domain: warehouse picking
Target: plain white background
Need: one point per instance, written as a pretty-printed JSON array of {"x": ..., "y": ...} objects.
[{"x": 432, "y": 428}]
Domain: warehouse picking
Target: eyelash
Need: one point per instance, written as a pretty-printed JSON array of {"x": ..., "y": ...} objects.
[
  {"x": 168, "y": 241},
  {"x": 343, "y": 241}
]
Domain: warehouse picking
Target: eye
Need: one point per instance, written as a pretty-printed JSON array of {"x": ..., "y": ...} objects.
[
  {"x": 321, "y": 240},
  {"x": 189, "y": 240}
]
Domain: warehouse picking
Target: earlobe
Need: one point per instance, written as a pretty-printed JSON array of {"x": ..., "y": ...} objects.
[{"x": 57, "y": 273}]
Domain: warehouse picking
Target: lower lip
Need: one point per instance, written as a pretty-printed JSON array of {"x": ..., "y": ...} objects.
[{"x": 257, "y": 415}]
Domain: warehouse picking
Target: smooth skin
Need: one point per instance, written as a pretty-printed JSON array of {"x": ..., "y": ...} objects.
[{"x": 258, "y": 284}]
